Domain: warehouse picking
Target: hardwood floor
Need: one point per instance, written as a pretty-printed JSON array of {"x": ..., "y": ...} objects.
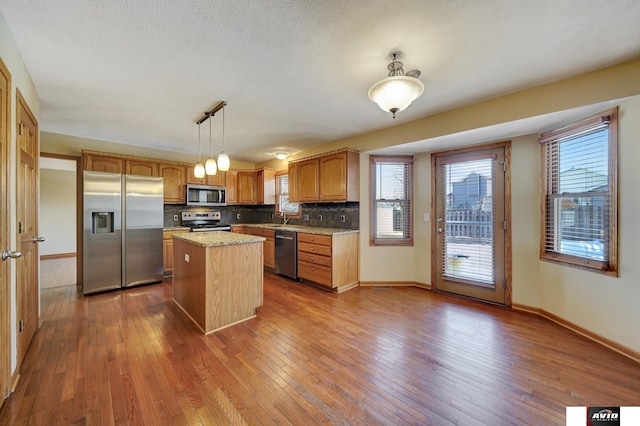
[{"x": 368, "y": 356}]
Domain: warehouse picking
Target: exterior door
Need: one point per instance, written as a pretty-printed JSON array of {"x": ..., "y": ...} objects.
[
  {"x": 27, "y": 229},
  {"x": 5, "y": 324},
  {"x": 470, "y": 223}
]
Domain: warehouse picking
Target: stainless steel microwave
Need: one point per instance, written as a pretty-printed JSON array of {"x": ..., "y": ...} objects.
[{"x": 204, "y": 195}]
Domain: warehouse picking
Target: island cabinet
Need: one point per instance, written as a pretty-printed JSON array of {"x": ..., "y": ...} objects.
[
  {"x": 269, "y": 247},
  {"x": 141, "y": 168},
  {"x": 167, "y": 250},
  {"x": 103, "y": 163},
  {"x": 217, "y": 277},
  {"x": 329, "y": 260},
  {"x": 333, "y": 177},
  {"x": 175, "y": 179}
]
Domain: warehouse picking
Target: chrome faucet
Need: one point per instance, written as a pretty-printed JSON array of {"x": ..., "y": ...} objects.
[{"x": 284, "y": 217}]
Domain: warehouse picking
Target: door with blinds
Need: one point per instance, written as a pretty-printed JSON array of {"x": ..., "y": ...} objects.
[{"x": 469, "y": 237}]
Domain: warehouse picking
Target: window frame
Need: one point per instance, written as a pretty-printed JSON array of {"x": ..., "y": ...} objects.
[
  {"x": 608, "y": 266},
  {"x": 409, "y": 161},
  {"x": 278, "y": 213}
]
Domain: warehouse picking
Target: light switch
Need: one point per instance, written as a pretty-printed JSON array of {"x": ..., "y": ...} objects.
[
  {"x": 426, "y": 217},
  {"x": 186, "y": 257}
]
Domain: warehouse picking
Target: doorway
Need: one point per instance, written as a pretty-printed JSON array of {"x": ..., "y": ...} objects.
[
  {"x": 58, "y": 220},
  {"x": 471, "y": 236}
]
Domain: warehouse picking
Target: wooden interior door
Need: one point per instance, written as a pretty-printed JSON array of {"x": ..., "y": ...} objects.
[
  {"x": 470, "y": 253},
  {"x": 5, "y": 266},
  {"x": 27, "y": 229}
]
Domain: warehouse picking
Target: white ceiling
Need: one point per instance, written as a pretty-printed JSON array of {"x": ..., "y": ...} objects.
[{"x": 295, "y": 73}]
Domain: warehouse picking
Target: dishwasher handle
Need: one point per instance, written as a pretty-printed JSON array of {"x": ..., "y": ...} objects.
[{"x": 282, "y": 237}]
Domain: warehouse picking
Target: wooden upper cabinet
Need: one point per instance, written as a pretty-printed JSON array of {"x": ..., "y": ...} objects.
[
  {"x": 266, "y": 186},
  {"x": 103, "y": 163},
  {"x": 232, "y": 187},
  {"x": 141, "y": 168},
  {"x": 339, "y": 177},
  {"x": 219, "y": 179},
  {"x": 246, "y": 190},
  {"x": 308, "y": 181},
  {"x": 292, "y": 174},
  {"x": 175, "y": 179},
  {"x": 333, "y": 177},
  {"x": 216, "y": 180}
]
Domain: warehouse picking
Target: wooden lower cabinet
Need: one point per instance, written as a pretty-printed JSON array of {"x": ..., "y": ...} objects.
[
  {"x": 269, "y": 245},
  {"x": 329, "y": 260},
  {"x": 167, "y": 251}
]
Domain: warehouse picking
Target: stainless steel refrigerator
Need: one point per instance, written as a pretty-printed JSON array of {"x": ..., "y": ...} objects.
[{"x": 122, "y": 230}]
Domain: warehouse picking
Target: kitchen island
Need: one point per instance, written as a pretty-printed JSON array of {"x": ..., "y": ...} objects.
[{"x": 217, "y": 277}]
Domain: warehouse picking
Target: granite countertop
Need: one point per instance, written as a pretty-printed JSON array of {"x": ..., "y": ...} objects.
[
  {"x": 298, "y": 228},
  {"x": 176, "y": 228},
  {"x": 217, "y": 238}
]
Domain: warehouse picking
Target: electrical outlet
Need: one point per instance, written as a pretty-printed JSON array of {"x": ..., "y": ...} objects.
[
  {"x": 175, "y": 217},
  {"x": 186, "y": 257},
  {"x": 271, "y": 215},
  {"x": 238, "y": 216},
  {"x": 305, "y": 217},
  {"x": 343, "y": 218},
  {"x": 320, "y": 218}
]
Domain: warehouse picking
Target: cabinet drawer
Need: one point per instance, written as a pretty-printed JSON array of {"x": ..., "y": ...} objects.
[
  {"x": 315, "y": 259},
  {"x": 324, "y": 240},
  {"x": 314, "y": 248},
  {"x": 259, "y": 232},
  {"x": 317, "y": 274}
]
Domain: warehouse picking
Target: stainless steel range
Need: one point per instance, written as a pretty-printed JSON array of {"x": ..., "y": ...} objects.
[{"x": 203, "y": 221}]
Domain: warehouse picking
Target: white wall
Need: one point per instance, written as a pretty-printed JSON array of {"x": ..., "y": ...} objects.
[
  {"x": 57, "y": 211},
  {"x": 20, "y": 79}
]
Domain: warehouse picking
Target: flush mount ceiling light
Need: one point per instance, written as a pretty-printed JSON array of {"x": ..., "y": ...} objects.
[
  {"x": 396, "y": 92},
  {"x": 281, "y": 155},
  {"x": 223, "y": 159},
  {"x": 198, "y": 170}
]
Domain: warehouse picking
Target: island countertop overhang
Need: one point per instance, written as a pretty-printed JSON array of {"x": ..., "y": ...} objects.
[{"x": 217, "y": 238}]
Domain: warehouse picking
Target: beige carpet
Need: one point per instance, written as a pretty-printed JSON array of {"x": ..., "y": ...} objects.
[{"x": 57, "y": 272}]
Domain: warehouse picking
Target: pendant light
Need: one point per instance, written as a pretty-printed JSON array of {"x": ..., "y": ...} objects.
[
  {"x": 223, "y": 159},
  {"x": 396, "y": 92},
  {"x": 198, "y": 170},
  {"x": 210, "y": 167}
]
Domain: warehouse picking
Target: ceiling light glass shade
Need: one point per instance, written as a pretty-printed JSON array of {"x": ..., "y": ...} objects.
[
  {"x": 198, "y": 171},
  {"x": 281, "y": 155},
  {"x": 210, "y": 167},
  {"x": 394, "y": 94},
  {"x": 223, "y": 162}
]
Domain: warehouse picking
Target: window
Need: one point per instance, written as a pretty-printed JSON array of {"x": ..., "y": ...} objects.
[
  {"x": 579, "y": 187},
  {"x": 391, "y": 191},
  {"x": 283, "y": 205}
]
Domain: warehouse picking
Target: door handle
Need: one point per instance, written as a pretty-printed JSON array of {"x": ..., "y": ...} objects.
[
  {"x": 6, "y": 254},
  {"x": 38, "y": 239},
  {"x": 284, "y": 238},
  {"x": 440, "y": 230}
]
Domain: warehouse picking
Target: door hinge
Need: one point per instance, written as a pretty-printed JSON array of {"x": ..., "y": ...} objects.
[
  {"x": 21, "y": 326},
  {"x": 504, "y": 224},
  {"x": 504, "y": 166},
  {"x": 20, "y": 227},
  {"x": 20, "y": 129}
]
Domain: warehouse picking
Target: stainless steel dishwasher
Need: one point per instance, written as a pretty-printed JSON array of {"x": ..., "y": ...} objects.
[{"x": 287, "y": 253}]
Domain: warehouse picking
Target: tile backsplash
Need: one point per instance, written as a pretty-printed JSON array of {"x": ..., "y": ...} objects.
[{"x": 326, "y": 215}]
